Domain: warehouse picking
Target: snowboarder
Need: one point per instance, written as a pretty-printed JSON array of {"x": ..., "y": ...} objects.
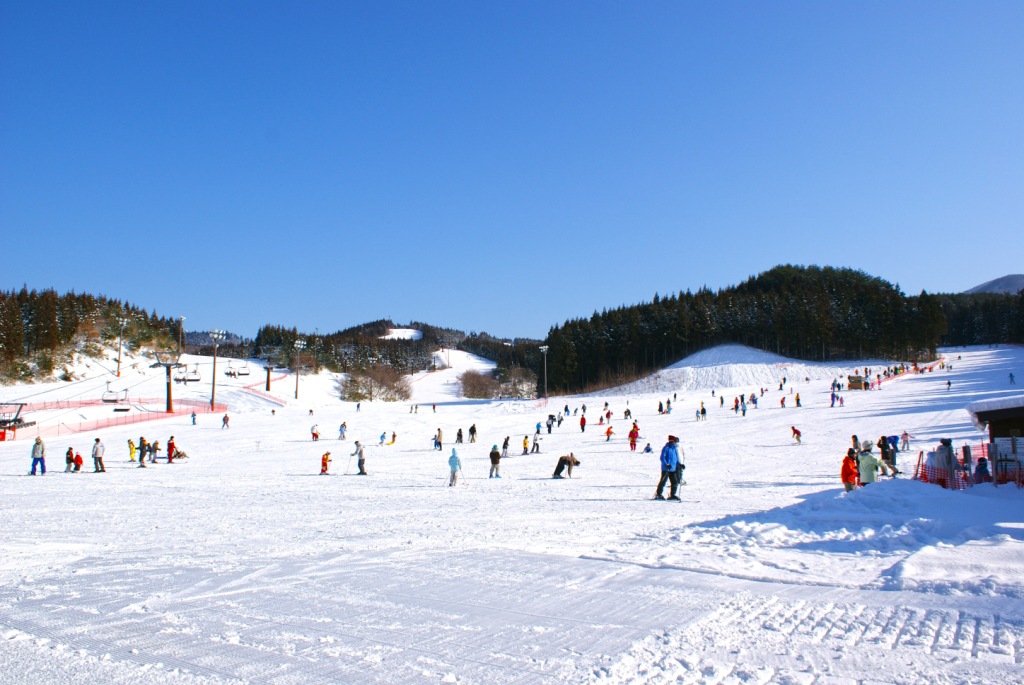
[
  {"x": 97, "y": 457},
  {"x": 565, "y": 463},
  {"x": 669, "y": 468},
  {"x": 455, "y": 465},
  {"x": 324, "y": 461},
  {"x": 39, "y": 457},
  {"x": 360, "y": 459},
  {"x": 495, "y": 456},
  {"x": 796, "y": 434}
]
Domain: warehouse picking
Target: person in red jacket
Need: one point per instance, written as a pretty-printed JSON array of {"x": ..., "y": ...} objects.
[
  {"x": 324, "y": 461},
  {"x": 172, "y": 450},
  {"x": 583, "y": 424},
  {"x": 850, "y": 473},
  {"x": 634, "y": 433}
]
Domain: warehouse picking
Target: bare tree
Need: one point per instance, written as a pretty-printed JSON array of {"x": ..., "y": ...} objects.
[
  {"x": 379, "y": 382},
  {"x": 479, "y": 385}
]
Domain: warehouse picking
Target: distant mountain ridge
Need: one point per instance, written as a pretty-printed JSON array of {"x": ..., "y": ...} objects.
[{"x": 1010, "y": 284}]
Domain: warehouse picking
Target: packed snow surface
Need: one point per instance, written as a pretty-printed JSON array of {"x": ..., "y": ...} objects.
[
  {"x": 403, "y": 334},
  {"x": 243, "y": 564}
]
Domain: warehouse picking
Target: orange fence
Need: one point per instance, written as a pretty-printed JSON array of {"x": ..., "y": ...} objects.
[
  {"x": 963, "y": 477},
  {"x": 181, "y": 408},
  {"x": 253, "y": 390}
]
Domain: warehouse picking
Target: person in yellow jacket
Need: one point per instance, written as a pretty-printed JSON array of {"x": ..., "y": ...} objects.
[
  {"x": 131, "y": 449},
  {"x": 324, "y": 461}
]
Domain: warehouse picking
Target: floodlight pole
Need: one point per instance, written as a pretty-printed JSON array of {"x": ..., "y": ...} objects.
[
  {"x": 120, "y": 341},
  {"x": 299, "y": 345},
  {"x": 217, "y": 337},
  {"x": 544, "y": 351}
]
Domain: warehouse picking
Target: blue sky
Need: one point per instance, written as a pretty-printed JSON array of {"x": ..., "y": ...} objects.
[{"x": 500, "y": 166}]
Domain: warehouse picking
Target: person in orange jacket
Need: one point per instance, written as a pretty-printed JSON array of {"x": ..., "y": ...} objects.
[
  {"x": 324, "y": 461},
  {"x": 850, "y": 473},
  {"x": 608, "y": 434}
]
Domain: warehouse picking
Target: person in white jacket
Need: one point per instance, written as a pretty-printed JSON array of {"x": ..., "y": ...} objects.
[{"x": 97, "y": 457}]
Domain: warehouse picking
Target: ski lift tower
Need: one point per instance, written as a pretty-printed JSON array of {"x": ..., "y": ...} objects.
[{"x": 168, "y": 365}]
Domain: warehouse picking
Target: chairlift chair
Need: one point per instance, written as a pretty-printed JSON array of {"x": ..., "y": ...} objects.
[
  {"x": 114, "y": 396},
  {"x": 193, "y": 375},
  {"x": 243, "y": 370},
  {"x": 179, "y": 376}
]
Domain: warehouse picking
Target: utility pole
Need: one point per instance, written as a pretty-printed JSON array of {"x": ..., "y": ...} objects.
[
  {"x": 299, "y": 346},
  {"x": 544, "y": 351},
  {"x": 120, "y": 341},
  {"x": 217, "y": 337}
]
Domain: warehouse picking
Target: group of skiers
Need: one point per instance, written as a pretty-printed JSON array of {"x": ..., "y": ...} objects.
[
  {"x": 73, "y": 459},
  {"x": 860, "y": 466}
]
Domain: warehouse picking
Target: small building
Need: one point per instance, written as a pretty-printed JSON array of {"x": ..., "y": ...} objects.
[
  {"x": 855, "y": 382},
  {"x": 1003, "y": 417}
]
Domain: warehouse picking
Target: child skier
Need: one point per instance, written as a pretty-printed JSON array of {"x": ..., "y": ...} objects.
[{"x": 324, "y": 461}]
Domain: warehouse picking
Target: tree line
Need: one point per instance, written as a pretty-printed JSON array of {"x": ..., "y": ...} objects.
[{"x": 811, "y": 313}]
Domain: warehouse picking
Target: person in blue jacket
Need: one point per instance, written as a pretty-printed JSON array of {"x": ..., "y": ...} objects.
[
  {"x": 455, "y": 465},
  {"x": 669, "y": 467}
]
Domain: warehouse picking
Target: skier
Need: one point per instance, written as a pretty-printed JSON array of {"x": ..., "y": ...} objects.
[
  {"x": 193, "y": 421},
  {"x": 583, "y": 424},
  {"x": 361, "y": 459},
  {"x": 97, "y": 457},
  {"x": 314, "y": 432},
  {"x": 78, "y": 462},
  {"x": 905, "y": 441},
  {"x": 504, "y": 447},
  {"x": 458, "y": 437},
  {"x": 394, "y": 437},
  {"x": 848, "y": 474},
  {"x": 383, "y": 437},
  {"x": 634, "y": 433},
  {"x": 143, "y": 449},
  {"x": 39, "y": 457},
  {"x": 796, "y": 434},
  {"x": 536, "y": 444},
  {"x": 526, "y": 444},
  {"x": 455, "y": 465},
  {"x": 669, "y": 467},
  {"x": 472, "y": 433},
  {"x": 782, "y": 402},
  {"x": 69, "y": 459},
  {"x": 224, "y": 422},
  {"x": 342, "y": 429},
  {"x": 565, "y": 463},
  {"x": 439, "y": 440},
  {"x": 495, "y": 456},
  {"x": 798, "y": 399},
  {"x": 1013, "y": 381},
  {"x": 131, "y": 450},
  {"x": 608, "y": 434},
  {"x": 324, "y": 461},
  {"x": 172, "y": 449}
]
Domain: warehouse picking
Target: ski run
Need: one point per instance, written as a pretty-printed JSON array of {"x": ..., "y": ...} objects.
[{"x": 242, "y": 564}]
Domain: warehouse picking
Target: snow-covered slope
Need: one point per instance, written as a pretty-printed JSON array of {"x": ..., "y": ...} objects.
[{"x": 243, "y": 564}]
